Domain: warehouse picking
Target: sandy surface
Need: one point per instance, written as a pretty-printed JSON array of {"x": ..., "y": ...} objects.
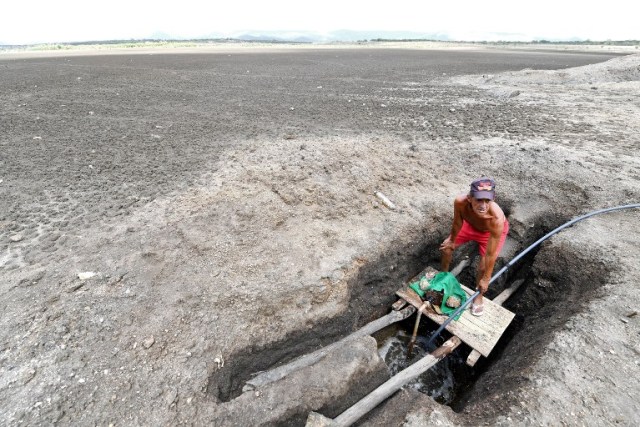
[{"x": 223, "y": 206}]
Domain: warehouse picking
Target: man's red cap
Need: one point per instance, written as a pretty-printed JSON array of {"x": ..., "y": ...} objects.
[{"x": 483, "y": 188}]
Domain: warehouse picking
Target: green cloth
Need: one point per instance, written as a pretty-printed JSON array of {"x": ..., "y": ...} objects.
[{"x": 442, "y": 282}]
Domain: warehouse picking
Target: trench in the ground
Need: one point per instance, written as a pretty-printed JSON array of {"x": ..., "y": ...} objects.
[
  {"x": 372, "y": 291},
  {"x": 542, "y": 305}
]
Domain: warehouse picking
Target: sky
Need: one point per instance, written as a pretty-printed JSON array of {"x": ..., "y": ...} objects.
[{"x": 47, "y": 21}]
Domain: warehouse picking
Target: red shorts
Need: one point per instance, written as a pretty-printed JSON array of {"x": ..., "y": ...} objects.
[{"x": 468, "y": 233}]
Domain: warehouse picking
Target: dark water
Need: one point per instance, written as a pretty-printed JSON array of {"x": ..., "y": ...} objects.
[{"x": 443, "y": 382}]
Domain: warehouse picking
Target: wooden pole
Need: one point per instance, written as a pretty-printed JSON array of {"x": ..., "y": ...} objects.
[
  {"x": 414, "y": 337},
  {"x": 461, "y": 266},
  {"x": 311, "y": 358},
  {"x": 381, "y": 393},
  {"x": 504, "y": 295}
]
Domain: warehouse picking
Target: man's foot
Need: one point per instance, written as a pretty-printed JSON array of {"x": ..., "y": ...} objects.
[{"x": 477, "y": 309}]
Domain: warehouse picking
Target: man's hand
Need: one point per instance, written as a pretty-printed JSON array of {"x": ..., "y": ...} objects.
[
  {"x": 483, "y": 285},
  {"x": 447, "y": 245}
]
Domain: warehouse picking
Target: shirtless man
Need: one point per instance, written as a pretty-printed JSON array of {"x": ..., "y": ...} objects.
[{"x": 477, "y": 217}]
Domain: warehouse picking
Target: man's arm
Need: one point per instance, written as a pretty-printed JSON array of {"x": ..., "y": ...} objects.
[
  {"x": 495, "y": 233},
  {"x": 447, "y": 247},
  {"x": 456, "y": 225}
]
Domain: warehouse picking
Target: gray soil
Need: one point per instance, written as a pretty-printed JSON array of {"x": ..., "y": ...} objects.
[{"x": 172, "y": 223}]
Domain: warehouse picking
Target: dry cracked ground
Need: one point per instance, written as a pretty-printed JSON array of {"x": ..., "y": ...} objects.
[{"x": 174, "y": 222}]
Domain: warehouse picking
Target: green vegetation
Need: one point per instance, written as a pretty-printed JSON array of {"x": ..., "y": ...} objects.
[
  {"x": 573, "y": 42},
  {"x": 111, "y": 44},
  {"x": 534, "y": 42},
  {"x": 116, "y": 44},
  {"x": 134, "y": 44}
]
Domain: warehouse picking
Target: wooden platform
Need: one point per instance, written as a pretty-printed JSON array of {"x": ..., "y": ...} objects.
[{"x": 480, "y": 333}]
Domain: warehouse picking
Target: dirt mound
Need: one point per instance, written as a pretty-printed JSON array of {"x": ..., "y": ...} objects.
[{"x": 617, "y": 70}]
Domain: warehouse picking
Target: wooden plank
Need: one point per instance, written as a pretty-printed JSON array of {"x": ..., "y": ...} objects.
[
  {"x": 504, "y": 295},
  {"x": 480, "y": 333},
  {"x": 398, "y": 305},
  {"x": 474, "y": 356}
]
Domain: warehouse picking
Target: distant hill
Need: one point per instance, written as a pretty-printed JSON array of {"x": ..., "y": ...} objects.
[
  {"x": 332, "y": 36},
  {"x": 348, "y": 36}
]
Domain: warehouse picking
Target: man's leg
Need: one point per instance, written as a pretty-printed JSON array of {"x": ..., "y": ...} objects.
[
  {"x": 479, "y": 273},
  {"x": 482, "y": 264},
  {"x": 464, "y": 235},
  {"x": 447, "y": 254}
]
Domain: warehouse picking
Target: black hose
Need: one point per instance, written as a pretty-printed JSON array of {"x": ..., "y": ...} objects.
[{"x": 519, "y": 256}]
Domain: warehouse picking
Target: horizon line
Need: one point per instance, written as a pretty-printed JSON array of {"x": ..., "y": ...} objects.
[{"x": 252, "y": 38}]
